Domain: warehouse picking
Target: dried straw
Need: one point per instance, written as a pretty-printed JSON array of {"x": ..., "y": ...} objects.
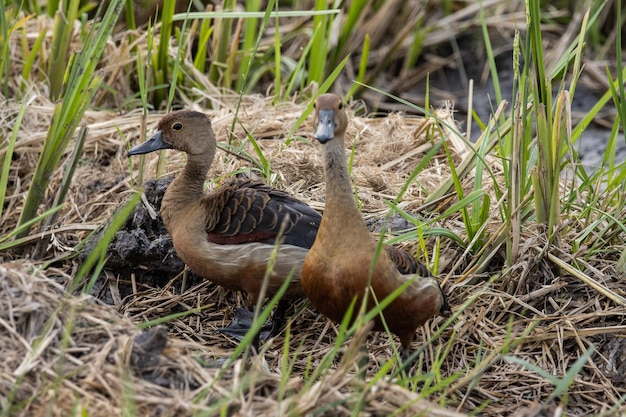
[{"x": 64, "y": 353}]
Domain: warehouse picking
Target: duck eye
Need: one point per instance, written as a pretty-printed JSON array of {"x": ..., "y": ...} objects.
[
  {"x": 340, "y": 105},
  {"x": 315, "y": 105},
  {"x": 177, "y": 126}
]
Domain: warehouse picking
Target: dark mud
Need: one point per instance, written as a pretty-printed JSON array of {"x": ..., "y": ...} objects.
[
  {"x": 142, "y": 247},
  {"x": 148, "y": 361}
]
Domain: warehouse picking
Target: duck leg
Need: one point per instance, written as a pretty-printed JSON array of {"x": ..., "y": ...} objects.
[
  {"x": 277, "y": 322},
  {"x": 240, "y": 325},
  {"x": 407, "y": 361}
]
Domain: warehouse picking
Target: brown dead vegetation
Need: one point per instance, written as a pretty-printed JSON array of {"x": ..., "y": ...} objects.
[{"x": 63, "y": 353}]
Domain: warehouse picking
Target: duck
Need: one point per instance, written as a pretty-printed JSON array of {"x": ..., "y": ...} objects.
[
  {"x": 228, "y": 235},
  {"x": 344, "y": 260}
]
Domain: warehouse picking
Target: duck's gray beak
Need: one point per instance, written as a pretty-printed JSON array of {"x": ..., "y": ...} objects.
[
  {"x": 325, "y": 125},
  {"x": 155, "y": 143}
]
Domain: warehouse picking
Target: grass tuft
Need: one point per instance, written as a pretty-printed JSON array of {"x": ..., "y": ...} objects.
[{"x": 81, "y": 87}]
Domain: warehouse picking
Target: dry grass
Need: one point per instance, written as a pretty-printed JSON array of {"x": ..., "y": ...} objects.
[
  {"x": 92, "y": 367},
  {"x": 64, "y": 353},
  {"x": 105, "y": 366}
]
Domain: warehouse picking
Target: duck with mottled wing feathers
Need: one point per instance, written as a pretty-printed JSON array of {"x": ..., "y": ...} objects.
[
  {"x": 337, "y": 268},
  {"x": 228, "y": 235}
]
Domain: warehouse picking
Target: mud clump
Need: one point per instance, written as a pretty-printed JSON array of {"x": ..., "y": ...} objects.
[{"x": 142, "y": 247}]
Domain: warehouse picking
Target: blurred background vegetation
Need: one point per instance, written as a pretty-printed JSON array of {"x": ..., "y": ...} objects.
[{"x": 394, "y": 45}]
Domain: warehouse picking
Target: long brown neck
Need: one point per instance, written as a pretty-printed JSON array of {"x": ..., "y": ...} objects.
[
  {"x": 341, "y": 212},
  {"x": 187, "y": 188}
]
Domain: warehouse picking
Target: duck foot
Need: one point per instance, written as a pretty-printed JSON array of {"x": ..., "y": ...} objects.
[
  {"x": 277, "y": 322},
  {"x": 407, "y": 361},
  {"x": 242, "y": 322}
]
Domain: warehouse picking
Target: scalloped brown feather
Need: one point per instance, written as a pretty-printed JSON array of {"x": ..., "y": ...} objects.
[{"x": 244, "y": 210}]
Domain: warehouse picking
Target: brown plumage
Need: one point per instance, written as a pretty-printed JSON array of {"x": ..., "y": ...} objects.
[
  {"x": 228, "y": 235},
  {"x": 337, "y": 267}
]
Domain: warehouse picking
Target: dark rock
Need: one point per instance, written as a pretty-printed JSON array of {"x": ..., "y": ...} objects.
[{"x": 394, "y": 223}]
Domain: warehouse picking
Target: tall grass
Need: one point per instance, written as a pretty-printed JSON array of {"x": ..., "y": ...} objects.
[
  {"x": 232, "y": 67},
  {"x": 5, "y": 57},
  {"x": 74, "y": 80},
  {"x": 543, "y": 184},
  {"x": 81, "y": 87},
  {"x": 542, "y": 190}
]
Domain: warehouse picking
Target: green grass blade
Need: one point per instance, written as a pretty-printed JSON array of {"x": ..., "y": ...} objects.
[
  {"x": 348, "y": 28},
  {"x": 249, "y": 42},
  {"x": 415, "y": 50},
  {"x": 8, "y": 154},
  {"x": 616, "y": 89},
  {"x": 21, "y": 230},
  {"x": 561, "y": 384},
  {"x": 27, "y": 70},
  {"x": 319, "y": 49},
  {"x": 266, "y": 17},
  {"x": 68, "y": 174},
  {"x": 594, "y": 111},
  {"x": 493, "y": 70},
  {"x": 621, "y": 104},
  {"x": 59, "y": 135},
  {"x": 218, "y": 73},
  {"x": 580, "y": 47},
  {"x": 176, "y": 67},
  {"x": 97, "y": 257},
  {"x": 161, "y": 58},
  {"x": 82, "y": 85},
  {"x": 264, "y": 164},
  {"x": 360, "y": 78},
  {"x": 253, "y": 15},
  {"x": 130, "y": 15},
  {"x": 5, "y": 31},
  {"x": 536, "y": 49},
  {"x": 63, "y": 27},
  {"x": 296, "y": 74},
  {"x": 278, "y": 78},
  {"x": 206, "y": 30}
]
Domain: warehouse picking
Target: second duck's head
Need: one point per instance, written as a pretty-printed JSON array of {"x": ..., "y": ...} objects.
[
  {"x": 330, "y": 118},
  {"x": 185, "y": 130}
]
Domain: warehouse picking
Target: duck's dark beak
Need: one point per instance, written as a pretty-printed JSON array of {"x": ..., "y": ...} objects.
[
  {"x": 325, "y": 125},
  {"x": 155, "y": 143}
]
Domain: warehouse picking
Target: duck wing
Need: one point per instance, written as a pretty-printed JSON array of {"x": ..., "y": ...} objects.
[
  {"x": 243, "y": 211},
  {"x": 405, "y": 263}
]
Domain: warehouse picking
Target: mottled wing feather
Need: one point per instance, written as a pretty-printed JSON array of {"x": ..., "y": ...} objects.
[
  {"x": 405, "y": 263},
  {"x": 249, "y": 211},
  {"x": 302, "y": 221}
]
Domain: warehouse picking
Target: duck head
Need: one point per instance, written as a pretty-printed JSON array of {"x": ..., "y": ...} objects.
[
  {"x": 185, "y": 130},
  {"x": 330, "y": 120}
]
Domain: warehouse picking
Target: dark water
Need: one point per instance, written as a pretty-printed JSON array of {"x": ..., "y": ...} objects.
[{"x": 454, "y": 84}]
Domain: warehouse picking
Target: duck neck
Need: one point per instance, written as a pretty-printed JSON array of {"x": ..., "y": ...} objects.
[
  {"x": 339, "y": 192},
  {"x": 187, "y": 188},
  {"x": 192, "y": 177}
]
